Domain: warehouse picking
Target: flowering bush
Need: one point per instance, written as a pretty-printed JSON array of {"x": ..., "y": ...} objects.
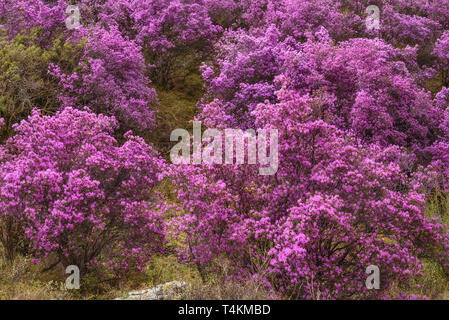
[
  {"x": 247, "y": 65},
  {"x": 442, "y": 53},
  {"x": 106, "y": 71},
  {"x": 172, "y": 34},
  {"x": 364, "y": 85},
  {"x": 362, "y": 115},
  {"x": 67, "y": 184},
  {"x": 19, "y": 15},
  {"x": 334, "y": 207},
  {"x": 111, "y": 80}
]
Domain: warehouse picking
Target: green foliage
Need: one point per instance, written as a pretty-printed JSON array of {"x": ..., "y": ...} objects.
[
  {"x": 176, "y": 110},
  {"x": 433, "y": 283},
  {"x": 24, "y": 79},
  {"x": 438, "y": 206}
]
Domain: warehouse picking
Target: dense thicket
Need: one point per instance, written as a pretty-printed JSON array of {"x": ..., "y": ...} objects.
[{"x": 363, "y": 137}]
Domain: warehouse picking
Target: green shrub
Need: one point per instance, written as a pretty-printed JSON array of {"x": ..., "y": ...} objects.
[{"x": 24, "y": 79}]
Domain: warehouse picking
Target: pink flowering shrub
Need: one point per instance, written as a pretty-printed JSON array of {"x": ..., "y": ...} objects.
[
  {"x": 334, "y": 207},
  {"x": 363, "y": 124},
  {"x": 76, "y": 193},
  {"x": 173, "y": 34},
  {"x": 110, "y": 80},
  {"x": 442, "y": 53},
  {"x": 367, "y": 86},
  {"x": 400, "y": 28},
  {"x": 438, "y": 10},
  {"x": 19, "y": 15},
  {"x": 107, "y": 73},
  {"x": 298, "y": 17},
  {"x": 247, "y": 64},
  {"x": 375, "y": 93}
]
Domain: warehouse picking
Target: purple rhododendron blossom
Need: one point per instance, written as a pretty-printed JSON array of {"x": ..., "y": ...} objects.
[{"x": 363, "y": 139}]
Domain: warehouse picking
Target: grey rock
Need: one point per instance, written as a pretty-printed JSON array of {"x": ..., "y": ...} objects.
[{"x": 166, "y": 291}]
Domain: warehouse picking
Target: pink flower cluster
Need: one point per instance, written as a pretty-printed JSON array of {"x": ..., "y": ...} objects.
[
  {"x": 67, "y": 184},
  {"x": 335, "y": 206},
  {"x": 363, "y": 124}
]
